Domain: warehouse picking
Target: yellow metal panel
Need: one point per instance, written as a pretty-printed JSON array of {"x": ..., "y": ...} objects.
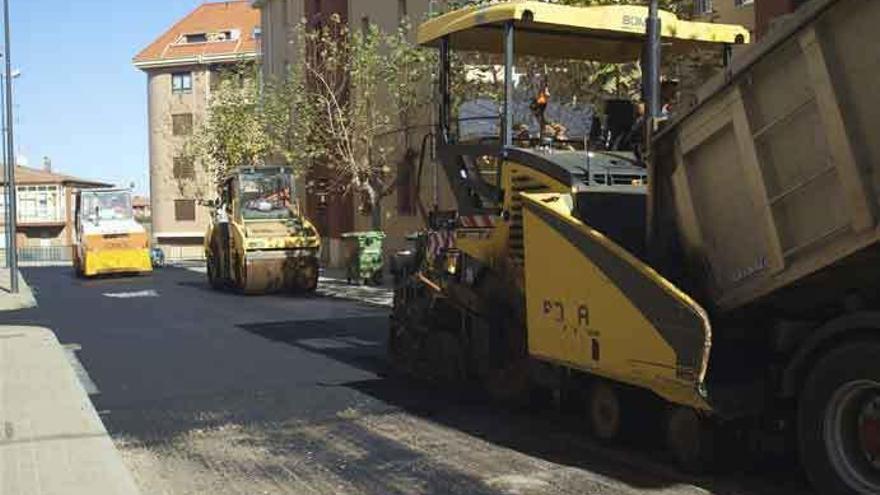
[
  {"x": 124, "y": 260},
  {"x": 583, "y": 315},
  {"x": 99, "y": 242},
  {"x": 615, "y": 33},
  {"x": 488, "y": 245}
]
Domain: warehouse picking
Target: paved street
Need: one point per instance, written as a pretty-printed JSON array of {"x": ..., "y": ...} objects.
[{"x": 208, "y": 392}]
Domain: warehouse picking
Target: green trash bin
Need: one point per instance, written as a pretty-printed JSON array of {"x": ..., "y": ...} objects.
[{"x": 364, "y": 262}]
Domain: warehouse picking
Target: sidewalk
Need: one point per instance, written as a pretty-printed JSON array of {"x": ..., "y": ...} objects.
[
  {"x": 11, "y": 302},
  {"x": 51, "y": 438},
  {"x": 333, "y": 283}
]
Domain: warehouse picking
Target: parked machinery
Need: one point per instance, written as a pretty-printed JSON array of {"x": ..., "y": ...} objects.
[
  {"x": 259, "y": 241},
  {"x": 108, "y": 239}
]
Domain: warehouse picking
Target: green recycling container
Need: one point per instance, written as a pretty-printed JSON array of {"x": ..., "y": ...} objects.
[{"x": 364, "y": 262}]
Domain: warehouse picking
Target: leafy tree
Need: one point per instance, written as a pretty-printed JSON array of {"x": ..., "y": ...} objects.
[
  {"x": 354, "y": 94},
  {"x": 346, "y": 107},
  {"x": 233, "y": 133}
]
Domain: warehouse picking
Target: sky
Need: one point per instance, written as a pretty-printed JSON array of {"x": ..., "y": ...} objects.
[{"x": 79, "y": 100}]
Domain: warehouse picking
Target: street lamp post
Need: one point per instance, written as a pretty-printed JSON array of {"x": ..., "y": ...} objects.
[
  {"x": 11, "y": 249},
  {"x": 15, "y": 75}
]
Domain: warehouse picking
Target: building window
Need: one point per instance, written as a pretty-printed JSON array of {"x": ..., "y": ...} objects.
[
  {"x": 703, "y": 7},
  {"x": 741, "y": 3},
  {"x": 39, "y": 204},
  {"x": 181, "y": 82},
  {"x": 184, "y": 168},
  {"x": 185, "y": 210},
  {"x": 182, "y": 124},
  {"x": 195, "y": 38},
  {"x": 210, "y": 37}
]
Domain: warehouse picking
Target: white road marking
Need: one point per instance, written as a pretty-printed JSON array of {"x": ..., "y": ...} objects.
[{"x": 130, "y": 295}]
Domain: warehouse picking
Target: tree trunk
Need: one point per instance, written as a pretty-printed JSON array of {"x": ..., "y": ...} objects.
[
  {"x": 376, "y": 214},
  {"x": 374, "y": 199}
]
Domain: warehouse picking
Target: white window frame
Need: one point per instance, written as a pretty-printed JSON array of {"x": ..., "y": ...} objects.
[
  {"x": 39, "y": 203},
  {"x": 180, "y": 88},
  {"x": 703, "y": 7}
]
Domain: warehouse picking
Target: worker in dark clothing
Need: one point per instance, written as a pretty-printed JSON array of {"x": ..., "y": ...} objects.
[
  {"x": 539, "y": 108},
  {"x": 668, "y": 97}
]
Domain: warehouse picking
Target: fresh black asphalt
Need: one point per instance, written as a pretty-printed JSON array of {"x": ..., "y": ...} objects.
[{"x": 169, "y": 355}]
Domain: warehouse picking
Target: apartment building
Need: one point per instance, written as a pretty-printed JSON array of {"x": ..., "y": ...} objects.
[
  {"x": 759, "y": 16},
  {"x": 332, "y": 213},
  {"x": 45, "y": 213},
  {"x": 183, "y": 65},
  {"x": 741, "y": 12},
  {"x": 769, "y": 13}
]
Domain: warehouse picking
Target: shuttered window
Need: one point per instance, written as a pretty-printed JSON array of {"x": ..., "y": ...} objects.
[
  {"x": 185, "y": 210},
  {"x": 184, "y": 168},
  {"x": 182, "y": 124}
]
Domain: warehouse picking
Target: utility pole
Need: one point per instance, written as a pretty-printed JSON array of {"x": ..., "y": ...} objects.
[
  {"x": 11, "y": 215},
  {"x": 652, "y": 56},
  {"x": 651, "y": 90}
]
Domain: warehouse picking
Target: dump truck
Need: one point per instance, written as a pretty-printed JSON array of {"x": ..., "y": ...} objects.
[
  {"x": 765, "y": 210},
  {"x": 259, "y": 241},
  {"x": 108, "y": 238},
  {"x": 724, "y": 278}
]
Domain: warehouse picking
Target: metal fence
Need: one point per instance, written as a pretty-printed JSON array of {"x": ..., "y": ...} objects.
[
  {"x": 36, "y": 255},
  {"x": 53, "y": 255},
  {"x": 183, "y": 253}
]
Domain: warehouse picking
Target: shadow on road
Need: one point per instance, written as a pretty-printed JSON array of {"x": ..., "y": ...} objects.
[
  {"x": 328, "y": 288},
  {"x": 352, "y": 341},
  {"x": 546, "y": 434}
]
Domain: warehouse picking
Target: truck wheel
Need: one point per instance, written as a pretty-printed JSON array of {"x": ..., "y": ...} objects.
[
  {"x": 839, "y": 421},
  {"x": 605, "y": 410},
  {"x": 690, "y": 439}
]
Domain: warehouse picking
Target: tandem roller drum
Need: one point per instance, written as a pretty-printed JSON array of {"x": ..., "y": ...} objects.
[{"x": 270, "y": 271}]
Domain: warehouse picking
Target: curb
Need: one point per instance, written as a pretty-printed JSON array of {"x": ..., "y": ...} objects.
[{"x": 23, "y": 300}]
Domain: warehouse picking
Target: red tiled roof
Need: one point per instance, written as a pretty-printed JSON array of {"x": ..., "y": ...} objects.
[
  {"x": 26, "y": 176},
  {"x": 207, "y": 19}
]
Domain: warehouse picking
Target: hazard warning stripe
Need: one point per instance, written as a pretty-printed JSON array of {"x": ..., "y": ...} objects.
[
  {"x": 439, "y": 241},
  {"x": 476, "y": 221}
]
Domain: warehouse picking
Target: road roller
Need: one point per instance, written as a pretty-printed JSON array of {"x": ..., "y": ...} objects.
[
  {"x": 108, "y": 238},
  {"x": 259, "y": 241}
]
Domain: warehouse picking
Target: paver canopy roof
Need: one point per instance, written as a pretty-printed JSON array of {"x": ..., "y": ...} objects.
[{"x": 612, "y": 34}]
